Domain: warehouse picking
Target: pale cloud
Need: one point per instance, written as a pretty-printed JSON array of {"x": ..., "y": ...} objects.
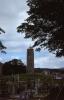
[
  {"x": 14, "y": 57},
  {"x": 49, "y": 61},
  {"x": 10, "y": 11}
]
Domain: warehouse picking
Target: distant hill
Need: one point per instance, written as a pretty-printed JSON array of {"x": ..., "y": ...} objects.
[{"x": 61, "y": 70}]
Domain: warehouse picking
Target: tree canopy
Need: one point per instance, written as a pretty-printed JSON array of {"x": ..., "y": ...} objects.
[
  {"x": 14, "y": 66},
  {"x": 45, "y": 25},
  {"x": 2, "y": 47}
]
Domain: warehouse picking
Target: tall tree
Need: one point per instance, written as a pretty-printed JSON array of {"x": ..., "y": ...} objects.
[
  {"x": 2, "y": 47},
  {"x": 14, "y": 66},
  {"x": 45, "y": 25}
]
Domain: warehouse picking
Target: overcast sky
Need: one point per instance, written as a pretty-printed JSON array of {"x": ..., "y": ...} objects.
[{"x": 12, "y": 14}]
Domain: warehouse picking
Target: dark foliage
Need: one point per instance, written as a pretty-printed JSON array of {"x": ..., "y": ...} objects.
[
  {"x": 45, "y": 25},
  {"x": 15, "y": 66},
  {"x": 2, "y": 47}
]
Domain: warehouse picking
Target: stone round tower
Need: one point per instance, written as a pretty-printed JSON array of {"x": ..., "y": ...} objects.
[{"x": 30, "y": 60}]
